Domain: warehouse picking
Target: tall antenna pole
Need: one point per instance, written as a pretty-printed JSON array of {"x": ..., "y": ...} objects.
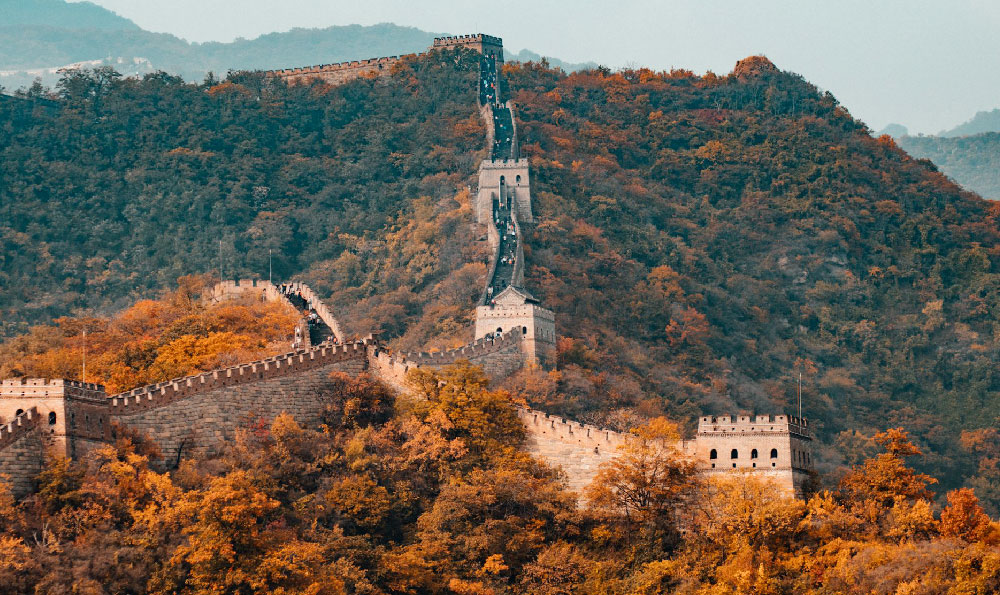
[
  {"x": 84, "y": 376},
  {"x": 221, "y": 278},
  {"x": 800, "y": 395},
  {"x": 269, "y": 269}
]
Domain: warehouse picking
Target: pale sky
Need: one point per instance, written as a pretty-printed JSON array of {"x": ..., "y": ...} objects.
[{"x": 928, "y": 65}]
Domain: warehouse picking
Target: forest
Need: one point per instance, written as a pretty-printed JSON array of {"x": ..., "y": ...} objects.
[
  {"x": 973, "y": 160},
  {"x": 703, "y": 240},
  {"x": 433, "y": 494}
]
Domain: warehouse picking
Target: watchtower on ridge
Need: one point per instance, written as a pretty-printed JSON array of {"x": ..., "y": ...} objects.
[{"x": 74, "y": 414}]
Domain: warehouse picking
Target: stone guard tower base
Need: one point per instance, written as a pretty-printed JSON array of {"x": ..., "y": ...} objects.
[
  {"x": 73, "y": 414},
  {"x": 516, "y": 309},
  {"x": 776, "y": 447},
  {"x": 487, "y": 45},
  {"x": 507, "y": 180}
]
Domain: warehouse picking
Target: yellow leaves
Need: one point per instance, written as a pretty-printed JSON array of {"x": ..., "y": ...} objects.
[
  {"x": 189, "y": 354},
  {"x": 744, "y": 510},
  {"x": 156, "y": 340},
  {"x": 14, "y": 555},
  {"x": 462, "y": 587},
  {"x": 963, "y": 517},
  {"x": 359, "y": 500},
  {"x": 494, "y": 565}
]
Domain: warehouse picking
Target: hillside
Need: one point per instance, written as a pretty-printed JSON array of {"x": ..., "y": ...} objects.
[
  {"x": 982, "y": 122},
  {"x": 41, "y": 36},
  {"x": 972, "y": 161},
  {"x": 58, "y": 13},
  {"x": 702, "y": 240}
]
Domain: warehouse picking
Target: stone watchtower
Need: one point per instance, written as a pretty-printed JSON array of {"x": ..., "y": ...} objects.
[
  {"x": 516, "y": 309},
  {"x": 74, "y": 414},
  {"x": 506, "y": 183},
  {"x": 487, "y": 45},
  {"x": 776, "y": 447}
]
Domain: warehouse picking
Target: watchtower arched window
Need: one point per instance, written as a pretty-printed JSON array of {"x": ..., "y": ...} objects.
[
  {"x": 753, "y": 454},
  {"x": 735, "y": 454},
  {"x": 517, "y": 179},
  {"x": 524, "y": 330},
  {"x": 502, "y": 181},
  {"x": 774, "y": 453},
  {"x": 52, "y": 418},
  {"x": 714, "y": 454},
  {"x": 18, "y": 412}
]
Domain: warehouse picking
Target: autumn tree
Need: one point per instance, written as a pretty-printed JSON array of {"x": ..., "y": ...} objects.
[{"x": 645, "y": 490}]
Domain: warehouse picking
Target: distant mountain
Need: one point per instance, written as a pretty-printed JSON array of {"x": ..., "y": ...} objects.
[
  {"x": 43, "y": 36},
  {"x": 56, "y": 13},
  {"x": 981, "y": 122},
  {"x": 31, "y": 51},
  {"x": 894, "y": 130},
  {"x": 530, "y": 56},
  {"x": 972, "y": 161}
]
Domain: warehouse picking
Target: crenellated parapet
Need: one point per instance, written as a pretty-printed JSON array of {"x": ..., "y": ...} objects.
[
  {"x": 340, "y": 72},
  {"x": 478, "y": 348},
  {"x": 164, "y": 393},
  {"x": 316, "y": 304},
  {"x": 735, "y": 425},
  {"x": 19, "y": 427}
]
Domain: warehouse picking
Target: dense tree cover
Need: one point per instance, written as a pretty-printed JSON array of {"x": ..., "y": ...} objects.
[
  {"x": 972, "y": 161},
  {"x": 128, "y": 184},
  {"x": 703, "y": 240},
  {"x": 154, "y": 340},
  {"x": 435, "y": 496}
]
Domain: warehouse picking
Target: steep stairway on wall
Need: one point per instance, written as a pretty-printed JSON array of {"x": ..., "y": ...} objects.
[{"x": 319, "y": 330}]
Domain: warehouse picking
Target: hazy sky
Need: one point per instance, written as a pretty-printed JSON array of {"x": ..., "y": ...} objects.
[{"x": 926, "y": 64}]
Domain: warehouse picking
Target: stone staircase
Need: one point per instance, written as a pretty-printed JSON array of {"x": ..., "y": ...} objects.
[{"x": 319, "y": 331}]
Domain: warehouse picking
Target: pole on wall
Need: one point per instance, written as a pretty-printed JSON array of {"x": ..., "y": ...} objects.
[{"x": 800, "y": 395}]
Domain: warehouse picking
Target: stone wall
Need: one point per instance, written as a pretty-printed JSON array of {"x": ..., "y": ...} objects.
[
  {"x": 322, "y": 310},
  {"x": 578, "y": 449},
  {"x": 22, "y": 452},
  {"x": 516, "y": 175},
  {"x": 499, "y": 357},
  {"x": 339, "y": 73},
  {"x": 192, "y": 418},
  {"x": 484, "y": 44}
]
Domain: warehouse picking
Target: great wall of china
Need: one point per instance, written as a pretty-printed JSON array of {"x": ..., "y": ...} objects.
[{"x": 196, "y": 415}]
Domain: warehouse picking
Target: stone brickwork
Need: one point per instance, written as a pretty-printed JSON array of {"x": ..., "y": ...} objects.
[
  {"x": 511, "y": 180},
  {"x": 578, "y": 449},
  {"x": 342, "y": 72},
  {"x": 74, "y": 414},
  {"x": 22, "y": 451},
  {"x": 775, "y": 448},
  {"x": 499, "y": 357},
  {"x": 339, "y": 73},
  {"x": 484, "y": 44},
  {"x": 199, "y": 424}
]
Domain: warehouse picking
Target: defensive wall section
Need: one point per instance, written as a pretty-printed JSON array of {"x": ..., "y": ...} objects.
[
  {"x": 339, "y": 73},
  {"x": 319, "y": 306},
  {"x": 22, "y": 451},
  {"x": 195, "y": 416},
  {"x": 775, "y": 448},
  {"x": 342, "y": 72},
  {"x": 499, "y": 356},
  {"x": 265, "y": 290}
]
